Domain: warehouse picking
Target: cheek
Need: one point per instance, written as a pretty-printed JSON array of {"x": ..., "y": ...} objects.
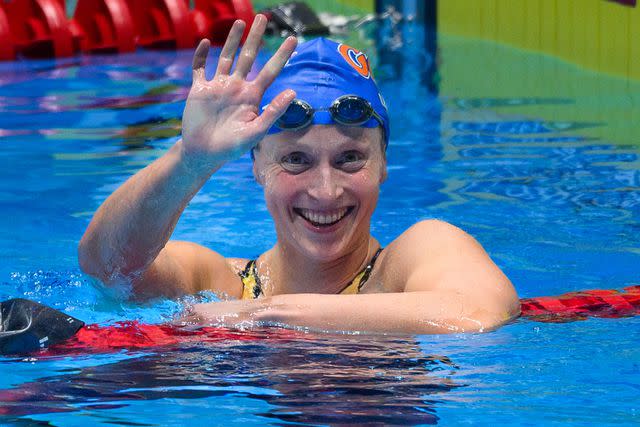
[
  {"x": 366, "y": 188},
  {"x": 279, "y": 188},
  {"x": 368, "y": 180}
]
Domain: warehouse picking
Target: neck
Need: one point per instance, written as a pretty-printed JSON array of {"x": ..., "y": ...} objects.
[{"x": 292, "y": 273}]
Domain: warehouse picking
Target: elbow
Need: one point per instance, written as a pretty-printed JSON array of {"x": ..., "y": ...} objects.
[
  {"x": 466, "y": 324},
  {"x": 478, "y": 319},
  {"x": 500, "y": 309},
  {"x": 91, "y": 263},
  {"x": 448, "y": 312},
  {"x": 487, "y": 320},
  {"x": 87, "y": 259},
  {"x": 84, "y": 255}
]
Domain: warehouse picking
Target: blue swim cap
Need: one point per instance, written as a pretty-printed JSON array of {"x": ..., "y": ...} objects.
[{"x": 321, "y": 71}]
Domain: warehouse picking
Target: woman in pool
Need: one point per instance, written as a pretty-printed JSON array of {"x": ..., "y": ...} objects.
[{"x": 321, "y": 170}]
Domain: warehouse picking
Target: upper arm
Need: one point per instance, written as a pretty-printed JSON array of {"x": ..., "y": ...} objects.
[
  {"x": 185, "y": 268},
  {"x": 440, "y": 257}
]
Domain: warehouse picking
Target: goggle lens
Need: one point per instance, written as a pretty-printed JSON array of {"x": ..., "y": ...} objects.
[
  {"x": 351, "y": 110},
  {"x": 298, "y": 115},
  {"x": 347, "y": 110}
]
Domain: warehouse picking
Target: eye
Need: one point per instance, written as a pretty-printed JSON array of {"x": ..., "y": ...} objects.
[
  {"x": 351, "y": 160},
  {"x": 295, "y": 162}
]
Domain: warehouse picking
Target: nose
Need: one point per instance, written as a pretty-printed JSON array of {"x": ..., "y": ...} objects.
[{"x": 326, "y": 184}]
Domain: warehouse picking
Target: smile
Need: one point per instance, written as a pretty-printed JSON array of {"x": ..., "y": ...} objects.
[{"x": 323, "y": 218}]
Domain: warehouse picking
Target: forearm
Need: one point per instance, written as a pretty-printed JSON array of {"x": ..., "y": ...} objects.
[
  {"x": 133, "y": 225},
  {"x": 409, "y": 312}
]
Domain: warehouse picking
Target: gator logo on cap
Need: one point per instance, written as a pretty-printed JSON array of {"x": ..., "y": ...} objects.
[{"x": 358, "y": 60}]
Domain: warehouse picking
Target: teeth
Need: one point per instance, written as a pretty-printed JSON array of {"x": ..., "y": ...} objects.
[{"x": 323, "y": 218}]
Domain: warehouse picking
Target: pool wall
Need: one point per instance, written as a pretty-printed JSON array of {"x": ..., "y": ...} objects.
[
  {"x": 597, "y": 34},
  {"x": 572, "y": 63},
  {"x": 608, "y": 106},
  {"x": 341, "y": 7}
]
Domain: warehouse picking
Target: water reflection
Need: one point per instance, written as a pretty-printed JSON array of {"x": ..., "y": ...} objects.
[
  {"x": 520, "y": 126},
  {"x": 327, "y": 380},
  {"x": 141, "y": 135},
  {"x": 537, "y": 161},
  {"x": 472, "y": 103},
  {"x": 82, "y": 101}
]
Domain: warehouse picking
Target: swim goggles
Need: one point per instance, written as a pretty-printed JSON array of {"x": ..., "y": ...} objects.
[{"x": 348, "y": 110}]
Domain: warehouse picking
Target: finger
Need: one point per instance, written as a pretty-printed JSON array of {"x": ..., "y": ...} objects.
[
  {"x": 251, "y": 46},
  {"x": 228, "y": 53},
  {"x": 272, "y": 68},
  {"x": 200, "y": 59},
  {"x": 275, "y": 109}
]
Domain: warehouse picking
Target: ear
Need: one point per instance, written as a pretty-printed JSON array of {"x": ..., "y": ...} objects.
[{"x": 383, "y": 170}]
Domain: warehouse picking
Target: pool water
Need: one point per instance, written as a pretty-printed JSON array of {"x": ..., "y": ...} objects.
[{"x": 556, "y": 207}]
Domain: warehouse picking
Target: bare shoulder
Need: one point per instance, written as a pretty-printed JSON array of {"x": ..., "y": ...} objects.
[
  {"x": 434, "y": 255},
  {"x": 432, "y": 232},
  {"x": 186, "y": 267},
  {"x": 428, "y": 240}
]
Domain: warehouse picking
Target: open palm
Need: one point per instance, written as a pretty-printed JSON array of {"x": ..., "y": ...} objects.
[{"x": 221, "y": 120}]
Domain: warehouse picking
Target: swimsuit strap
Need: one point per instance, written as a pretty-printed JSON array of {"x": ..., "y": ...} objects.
[
  {"x": 252, "y": 287},
  {"x": 361, "y": 278}
]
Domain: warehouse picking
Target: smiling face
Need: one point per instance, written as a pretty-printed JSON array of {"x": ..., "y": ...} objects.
[{"x": 321, "y": 186}]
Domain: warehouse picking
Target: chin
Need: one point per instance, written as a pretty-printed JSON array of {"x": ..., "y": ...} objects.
[
  {"x": 325, "y": 253},
  {"x": 325, "y": 248}
]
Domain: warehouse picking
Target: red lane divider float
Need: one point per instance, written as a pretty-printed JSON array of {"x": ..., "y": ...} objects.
[
  {"x": 7, "y": 47},
  {"x": 220, "y": 15},
  {"x": 28, "y": 325},
  {"x": 568, "y": 307},
  {"x": 103, "y": 26},
  {"x": 135, "y": 335},
  {"x": 583, "y": 304},
  {"x": 41, "y": 29},
  {"x": 163, "y": 24}
]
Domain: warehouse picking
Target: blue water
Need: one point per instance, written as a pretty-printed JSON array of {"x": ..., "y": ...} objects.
[{"x": 556, "y": 209}]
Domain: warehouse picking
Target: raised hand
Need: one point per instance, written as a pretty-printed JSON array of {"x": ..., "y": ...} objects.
[{"x": 221, "y": 120}]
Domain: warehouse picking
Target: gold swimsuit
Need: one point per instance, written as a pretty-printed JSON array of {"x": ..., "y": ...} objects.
[{"x": 252, "y": 288}]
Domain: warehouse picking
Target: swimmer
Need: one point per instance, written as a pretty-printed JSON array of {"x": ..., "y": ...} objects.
[{"x": 318, "y": 131}]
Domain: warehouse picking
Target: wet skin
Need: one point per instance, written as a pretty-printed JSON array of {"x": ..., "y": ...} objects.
[
  {"x": 322, "y": 170},
  {"x": 321, "y": 186}
]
